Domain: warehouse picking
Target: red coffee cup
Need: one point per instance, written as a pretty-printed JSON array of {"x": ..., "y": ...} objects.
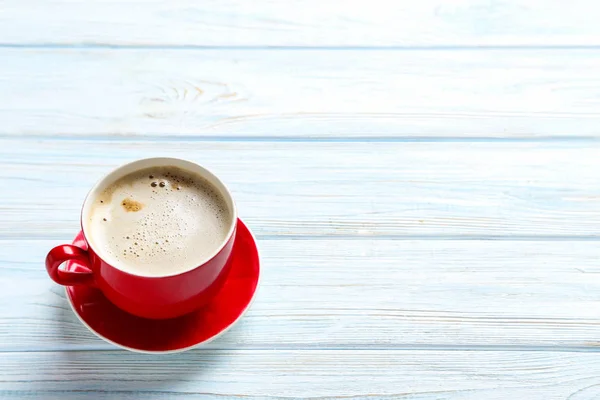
[{"x": 155, "y": 297}]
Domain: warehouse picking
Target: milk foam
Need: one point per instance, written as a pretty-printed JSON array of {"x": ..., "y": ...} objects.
[{"x": 159, "y": 221}]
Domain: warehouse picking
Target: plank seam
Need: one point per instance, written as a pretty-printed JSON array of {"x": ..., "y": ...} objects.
[
  {"x": 298, "y": 139},
  {"x": 446, "y": 47}
]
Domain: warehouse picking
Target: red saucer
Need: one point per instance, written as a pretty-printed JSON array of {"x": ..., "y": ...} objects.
[{"x": 178, "y": 334}]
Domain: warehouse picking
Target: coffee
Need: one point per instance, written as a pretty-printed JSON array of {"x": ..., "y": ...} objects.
[{"x": 159, "y": 221}]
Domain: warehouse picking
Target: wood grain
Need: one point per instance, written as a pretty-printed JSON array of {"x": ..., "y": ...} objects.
[
  {"x": 327, "y": 374},
  {"x": 353, "y": 294},
  {"x": 319, "y": 94},
  {"x": 332, "y": 189},
  {"x": 300, "y": 23}
]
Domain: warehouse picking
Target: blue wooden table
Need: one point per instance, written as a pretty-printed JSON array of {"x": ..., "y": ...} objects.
[{"x": 423, "y": 179}]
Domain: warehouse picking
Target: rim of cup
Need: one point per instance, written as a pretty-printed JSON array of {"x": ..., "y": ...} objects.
[{"x": 144, "y": 163}]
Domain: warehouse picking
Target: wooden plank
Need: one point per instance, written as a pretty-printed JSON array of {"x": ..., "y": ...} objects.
[
  {"x": 423, "y": 375},
  {"x": 301, "y": 23},
  {"x": 310, "y": 93},
  {"x": 336, "y": 189},
  {"x": 347, "y": 294}
]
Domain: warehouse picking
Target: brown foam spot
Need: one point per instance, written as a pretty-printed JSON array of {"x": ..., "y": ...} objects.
[{"x": 131, "y": 205}]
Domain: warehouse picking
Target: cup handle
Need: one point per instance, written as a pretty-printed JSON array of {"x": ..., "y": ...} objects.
[{"x": 66, "y": 252}]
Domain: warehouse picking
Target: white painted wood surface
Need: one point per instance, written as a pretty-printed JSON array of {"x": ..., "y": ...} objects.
[
  {"x": 317, "y": 23},
  {"x": 334, "y": 189},
  {"x": 476, "y": 93},
  {"x": 423, "y": 180},
  {"x": 369, "y": 294},
  {"x": 323, "y": 374}
]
